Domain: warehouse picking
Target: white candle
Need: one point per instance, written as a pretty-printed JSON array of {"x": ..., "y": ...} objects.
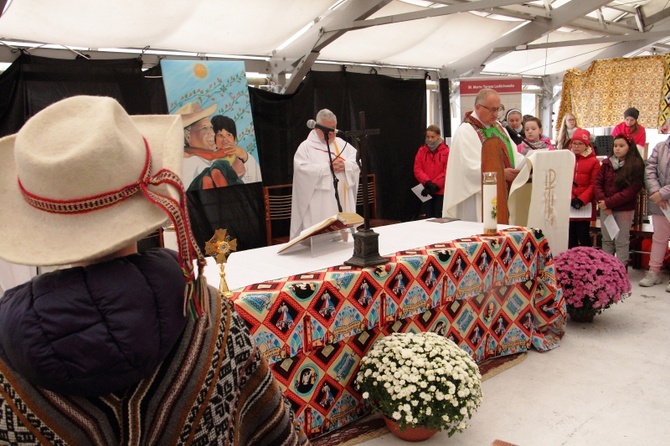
[{"x": 490, "y": 199}]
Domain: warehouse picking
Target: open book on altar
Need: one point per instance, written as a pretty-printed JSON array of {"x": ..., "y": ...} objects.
[{"x": 338, "y": 222}]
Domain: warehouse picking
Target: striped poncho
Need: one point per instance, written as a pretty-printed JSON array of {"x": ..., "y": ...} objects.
[{"x": 213, "y": 388}]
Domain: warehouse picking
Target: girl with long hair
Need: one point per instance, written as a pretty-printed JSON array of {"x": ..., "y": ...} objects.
[
  {"x": 618, "y": 183},
  {"x": 568, "y": 127}
]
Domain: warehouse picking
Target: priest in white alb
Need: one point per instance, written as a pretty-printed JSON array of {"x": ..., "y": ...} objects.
[{"x": 313, "y": 186}]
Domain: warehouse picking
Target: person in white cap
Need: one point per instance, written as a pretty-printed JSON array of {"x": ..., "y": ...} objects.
[{"x": 103, "y": 352}]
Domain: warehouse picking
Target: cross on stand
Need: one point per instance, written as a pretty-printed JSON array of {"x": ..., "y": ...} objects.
[{"x": 366, "y": 241}]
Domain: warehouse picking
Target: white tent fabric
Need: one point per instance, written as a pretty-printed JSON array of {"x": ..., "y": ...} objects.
[
  {"x": 458, "y": 38},
  {"x": 430, "y": 42},
  {"x": 199, "y": 26}
]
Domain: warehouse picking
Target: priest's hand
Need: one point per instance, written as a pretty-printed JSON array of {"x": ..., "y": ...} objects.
[
  {"x": 338, "y": 165},
  {"x": 510, "y": 174}
]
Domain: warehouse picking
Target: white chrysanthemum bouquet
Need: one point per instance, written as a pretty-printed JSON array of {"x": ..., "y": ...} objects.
[{"x": 421, "y": 379}]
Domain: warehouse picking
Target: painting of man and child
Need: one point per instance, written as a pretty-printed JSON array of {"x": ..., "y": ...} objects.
[{"x": 212, "y": 98}]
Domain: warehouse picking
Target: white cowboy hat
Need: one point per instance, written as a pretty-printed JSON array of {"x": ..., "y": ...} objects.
[
  {"x": 193, "y": 112},
  {"x": 77, "y": 149}
]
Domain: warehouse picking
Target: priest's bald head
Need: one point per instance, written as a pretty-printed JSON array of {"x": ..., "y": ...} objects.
[{"x": 487, "y": 106}]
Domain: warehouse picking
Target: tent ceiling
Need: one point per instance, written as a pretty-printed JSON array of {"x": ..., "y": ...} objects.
[{"x": 456, "y": 38}]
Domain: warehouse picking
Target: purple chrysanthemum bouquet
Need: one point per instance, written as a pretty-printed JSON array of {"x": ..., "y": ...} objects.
[{"x": 592, "y": 280}]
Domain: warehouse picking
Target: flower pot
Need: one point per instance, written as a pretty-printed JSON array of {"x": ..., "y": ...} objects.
[
  {"x": 386, "y": 363},
  {"x": 581, "y": 314},
  {"x": 590, "y": 277},
  {"x": 410, "y": 433}
]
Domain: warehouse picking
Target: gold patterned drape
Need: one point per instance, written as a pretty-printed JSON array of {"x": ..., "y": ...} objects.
[
  {"x": 664, "y": 108},
  {"x": 599, "y": 95}
]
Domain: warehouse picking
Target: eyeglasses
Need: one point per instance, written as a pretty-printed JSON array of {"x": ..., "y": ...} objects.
[{"x": 492, "y": 109}]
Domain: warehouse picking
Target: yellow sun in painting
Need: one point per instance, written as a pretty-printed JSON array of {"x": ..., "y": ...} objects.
[{"x": 200, "y": 70}]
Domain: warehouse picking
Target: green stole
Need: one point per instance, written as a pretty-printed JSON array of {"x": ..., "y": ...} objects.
[{"x": 495, "y": 131}]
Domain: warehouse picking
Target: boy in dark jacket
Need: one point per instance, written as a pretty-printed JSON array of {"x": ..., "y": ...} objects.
[{"x": 102, "y": 352}]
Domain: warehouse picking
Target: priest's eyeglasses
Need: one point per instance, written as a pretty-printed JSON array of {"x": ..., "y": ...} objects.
[{"x": 492, "y": 109}]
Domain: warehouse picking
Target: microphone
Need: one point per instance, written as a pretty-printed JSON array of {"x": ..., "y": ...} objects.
[{"x": 312, "y": 124}]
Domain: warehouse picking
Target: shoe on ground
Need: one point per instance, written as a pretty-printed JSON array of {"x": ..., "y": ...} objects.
[
  {"x": 652, "y": 278},
  {"x": 667, "y": 288}
]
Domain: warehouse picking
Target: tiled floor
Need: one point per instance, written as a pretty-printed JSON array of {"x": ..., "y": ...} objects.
[{"x": 607, "y": 384}]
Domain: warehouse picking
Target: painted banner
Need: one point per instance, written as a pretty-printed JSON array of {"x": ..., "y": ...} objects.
[{"x": 219, "y": 140}]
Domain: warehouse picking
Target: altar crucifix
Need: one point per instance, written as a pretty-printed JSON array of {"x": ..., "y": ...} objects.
[{"x": 366, "y": 241}]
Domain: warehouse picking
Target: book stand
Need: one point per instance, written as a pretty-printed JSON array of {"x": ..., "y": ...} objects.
[{"x": 322, "y": 244}]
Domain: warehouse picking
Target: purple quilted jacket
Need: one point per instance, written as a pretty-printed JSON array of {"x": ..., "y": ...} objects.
[{"x": 97, "y": 329}]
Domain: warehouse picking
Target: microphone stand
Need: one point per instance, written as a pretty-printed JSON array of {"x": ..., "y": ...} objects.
[
  {"x": 366, "y": 241},
  {"x": 332, "y": 171}
]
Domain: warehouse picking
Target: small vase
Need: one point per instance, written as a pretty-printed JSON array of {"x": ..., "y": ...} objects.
[
  {"x": 581, "y": 314},
  {"x": 410, "y": 433}
]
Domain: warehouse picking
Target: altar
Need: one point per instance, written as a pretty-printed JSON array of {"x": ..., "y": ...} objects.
[{"x": 313, "y": 318}]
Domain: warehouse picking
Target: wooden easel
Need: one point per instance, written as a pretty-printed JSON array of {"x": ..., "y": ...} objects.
[{"x": 493, "y": 161}]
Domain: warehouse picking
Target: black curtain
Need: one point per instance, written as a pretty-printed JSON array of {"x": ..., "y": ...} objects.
[
  {"x": 445, "y": 89},
  {"x": 395, "y": 106},
  {"x": 32, "y": 83},
  {"x": 279, "y": 123}
]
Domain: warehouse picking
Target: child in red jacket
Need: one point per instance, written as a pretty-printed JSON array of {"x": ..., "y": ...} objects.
[
  {"x": 586, "y": 169},
  {"x": 430, "y": 168},
  {"x": 617, "y": 186}
]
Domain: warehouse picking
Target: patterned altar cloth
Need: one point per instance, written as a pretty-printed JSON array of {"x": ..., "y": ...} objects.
[{"x": 492, "y": 295}]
